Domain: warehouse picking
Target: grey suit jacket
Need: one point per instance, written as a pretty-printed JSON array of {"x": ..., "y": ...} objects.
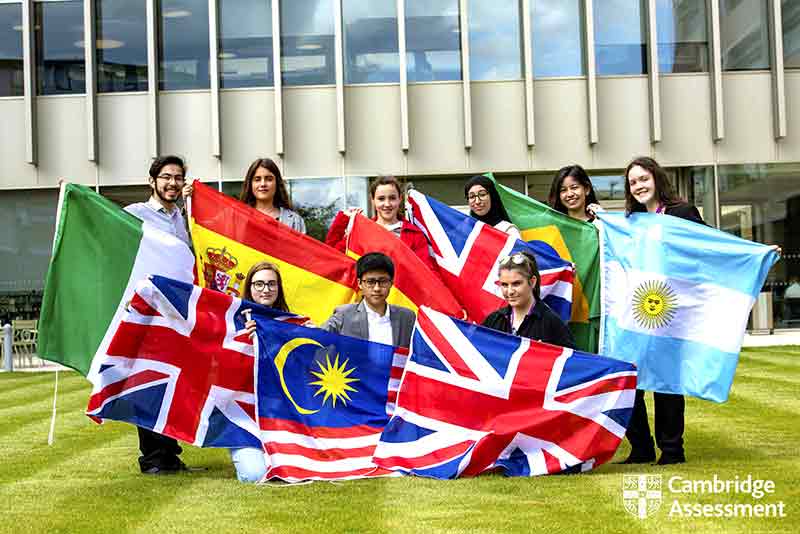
[{"x": 351, "y": 320}]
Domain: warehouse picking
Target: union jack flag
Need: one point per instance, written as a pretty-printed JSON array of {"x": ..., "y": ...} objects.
[
  {"x": 468, "y": 252},
  {"x": 180, "y": 364},
  {"x": 473, "y": 400}
]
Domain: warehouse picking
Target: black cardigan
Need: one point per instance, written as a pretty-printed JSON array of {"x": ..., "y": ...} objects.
[{"x": 541, "y": 324}]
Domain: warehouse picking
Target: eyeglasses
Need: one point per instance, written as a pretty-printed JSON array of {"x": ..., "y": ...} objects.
[
  {"x": 517, "y": 258},
  {"x": 480, "y": 195},
  {"x": 377, "y": 282},
  {"x": 259, "y": 285},
  {"x": 177, "y": 178}
]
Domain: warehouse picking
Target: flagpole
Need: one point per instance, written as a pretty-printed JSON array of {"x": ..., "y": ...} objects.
[
  {"x": 62, "y": 187},
  {"x": 51, "y": 435}
]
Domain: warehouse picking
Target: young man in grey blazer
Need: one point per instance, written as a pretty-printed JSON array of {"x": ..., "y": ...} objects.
[{"x": 373, "y": 318}]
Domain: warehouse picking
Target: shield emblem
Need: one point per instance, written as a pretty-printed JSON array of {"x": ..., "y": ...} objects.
[{"x": 641, "y": 494}]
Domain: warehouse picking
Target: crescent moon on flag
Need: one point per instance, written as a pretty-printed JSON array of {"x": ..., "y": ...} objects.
[{"x": 280, "y": 362}]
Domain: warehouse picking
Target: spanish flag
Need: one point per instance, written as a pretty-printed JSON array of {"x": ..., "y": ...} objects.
[
  {"x": 414, "y": 283},
  {"x": 229, "y": 237}
]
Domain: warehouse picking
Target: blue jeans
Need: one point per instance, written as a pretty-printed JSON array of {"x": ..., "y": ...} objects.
[{"x": 250, "y": 464}]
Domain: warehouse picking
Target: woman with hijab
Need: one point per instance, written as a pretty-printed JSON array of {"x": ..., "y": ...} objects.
[{"x": 486, "y": 206}]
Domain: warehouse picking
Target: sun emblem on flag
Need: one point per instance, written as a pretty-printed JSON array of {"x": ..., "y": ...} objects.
[
  {"x": 654, "y": 304},
  {"x": 334, "y": 380}
]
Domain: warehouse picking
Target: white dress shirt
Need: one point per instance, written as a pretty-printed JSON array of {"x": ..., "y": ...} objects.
[{"x": 379, "y": 326}]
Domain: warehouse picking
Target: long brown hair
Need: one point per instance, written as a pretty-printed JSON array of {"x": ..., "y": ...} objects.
[
  {"x": 664, "y": 191},
  {"x": 389, "y": 180},
  {"x": 280, "y": 301},
  {"x": 281, "y": 199}
]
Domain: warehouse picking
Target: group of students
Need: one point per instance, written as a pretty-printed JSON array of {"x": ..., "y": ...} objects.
[{"x": 647, "y": 189}]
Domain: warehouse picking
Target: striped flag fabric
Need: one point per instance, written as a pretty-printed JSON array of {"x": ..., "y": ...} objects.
[
  {"x": 468, "y": 251},
  {"x": 474, "y": 400},
  {"x": 100, "y": 253},
  {"x": 229, "y": 237},
  {"x": 322, "y": 401},
  {"x": 676, "y": 299}
]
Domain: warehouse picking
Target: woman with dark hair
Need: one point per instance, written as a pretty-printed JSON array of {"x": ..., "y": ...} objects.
[
  {"x": 486, "y": 206},
  {"x": 647, "y": 189},
  {"x": 263, "y": 285},
  {"x": 265, "y": 190},
  {"x": 386, "y": 194},
  {"x": 572, "y": 194},
  {"x": 526, "y": 314}
]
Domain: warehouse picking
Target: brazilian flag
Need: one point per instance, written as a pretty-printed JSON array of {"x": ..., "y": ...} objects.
[{"x": 573, "y": 240}]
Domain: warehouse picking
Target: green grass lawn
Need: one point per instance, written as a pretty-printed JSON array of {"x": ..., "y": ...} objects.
[{"x": 88, "y": 481}]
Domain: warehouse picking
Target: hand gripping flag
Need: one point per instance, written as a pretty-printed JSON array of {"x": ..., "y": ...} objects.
[
  {"x": 323, "y": 400},
  {"x": 574, "y": 241},
  {"x": 100, "y": 253},
  {"x": 230, "y": 236},
  {"x": 414, "y": 283},
  {"x": 180, "y": 364},
  {"x": 473, "y": 400},
  {"x": 676, "y": 298},
  {"x": 468, "y": 251}
]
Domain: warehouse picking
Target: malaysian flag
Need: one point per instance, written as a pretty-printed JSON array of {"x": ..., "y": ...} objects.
[
  {"x": 474, "y": 400},
  {"x": 323, "y": 400},
  {"x": 468, "y": 251}
]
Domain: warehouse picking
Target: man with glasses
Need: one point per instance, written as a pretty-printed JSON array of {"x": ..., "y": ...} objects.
[
  {"x": 373, "y": 318},
  {"x": 167, "y": 178},
  {"x": 160, "y": 453}
]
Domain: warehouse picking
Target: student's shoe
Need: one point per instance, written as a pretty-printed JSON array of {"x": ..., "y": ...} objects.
[
  {"x": 636, "y": 457},
  {"x": 668, "y": 459}
]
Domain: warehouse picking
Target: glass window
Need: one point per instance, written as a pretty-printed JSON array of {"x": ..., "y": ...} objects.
[
  {"x": 307, "y": 55},
  {"x": 701, "y": 183},
  {"x": 433, "y": 40},
  {"x": 11, "y": 50},
  {"x": 317, "y": 200},
  {"x": 495, "y": 40},
  {"x": 183, "y": 50},
  {"x": 245, "y": 43},
  {"x": 619, "y": 32},
  {"x": 59, "y": 48},
  {"x": 791, "y": 34},
  {"x": 370, "y": 41},
  {"x": 121, "y": 32},
  {"x": 682, "y": 35},
  {"x": 358, "y": 193},
  {"x": 28, "y": 221},
  {"x": 762, "y": 203},
  {"x": 557, "y": 28},
  {"x": 744, "y": 34}
]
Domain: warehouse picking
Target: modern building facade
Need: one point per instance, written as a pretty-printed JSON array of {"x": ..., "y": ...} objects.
[{"x": 339, "y": 91}]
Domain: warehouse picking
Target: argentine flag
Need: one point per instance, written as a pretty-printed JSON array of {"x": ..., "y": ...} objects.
[{"x": 676, "y": 298}]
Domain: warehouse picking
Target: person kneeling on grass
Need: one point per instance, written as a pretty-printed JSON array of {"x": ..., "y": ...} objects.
[
  {"x": 263, "y": 285},
  {"x": 526, "y": 314},
  {"x": 373, "y": 318}
]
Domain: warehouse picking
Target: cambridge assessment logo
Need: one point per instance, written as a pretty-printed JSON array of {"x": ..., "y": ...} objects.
[
  {"x": 654, "y": 304},
  {"x": 641, "y": 494}
]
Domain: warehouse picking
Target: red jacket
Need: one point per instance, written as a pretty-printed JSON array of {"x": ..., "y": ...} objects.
[{"x": 410, "y": 235}]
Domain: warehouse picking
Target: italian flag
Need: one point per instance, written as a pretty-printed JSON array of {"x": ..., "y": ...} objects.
[{"x": 100, "y": 252}]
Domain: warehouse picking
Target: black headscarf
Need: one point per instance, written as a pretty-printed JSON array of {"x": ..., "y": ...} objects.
[{"x": 497, "y": 212}]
